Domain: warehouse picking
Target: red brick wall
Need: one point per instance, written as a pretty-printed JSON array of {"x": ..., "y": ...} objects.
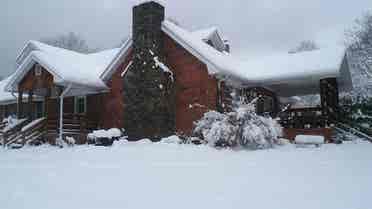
[
  {"x": 196, "y": 90},
  {"x": 113, "y": 101}
]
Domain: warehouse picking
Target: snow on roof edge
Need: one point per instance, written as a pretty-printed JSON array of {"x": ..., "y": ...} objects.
[
  {"x": 213, "y": 67},
  {"x": 205, "y": 33},
  {"x": 23, "y": 69},
  {"x": 319, "y": 66},
  {"x": 52, "y": 58},
  {"x": 123, "y": 51}
]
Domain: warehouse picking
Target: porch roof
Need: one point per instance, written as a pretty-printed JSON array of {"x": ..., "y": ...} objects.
[{"x": 67, "y": 67}]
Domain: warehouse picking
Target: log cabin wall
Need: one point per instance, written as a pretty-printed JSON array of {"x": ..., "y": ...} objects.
[
  {"x": 94, "y": 113},
  {"x": 34, "y": 81},
  {"x": 196, "y": 90},
  {"x": 41, "y": 84}
]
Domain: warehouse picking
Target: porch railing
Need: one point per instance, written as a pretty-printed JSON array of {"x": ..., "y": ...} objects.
[
  {"x": 24, "y": 132},
  {"x": 303, "y": 118},
  {"x": 73, "y": 124}
]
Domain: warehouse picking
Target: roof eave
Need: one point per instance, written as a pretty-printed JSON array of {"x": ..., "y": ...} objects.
[{"x": 105, "y": 76}]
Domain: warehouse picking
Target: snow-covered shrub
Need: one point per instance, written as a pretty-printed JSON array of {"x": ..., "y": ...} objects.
[
  {"x": 242, "y": 127},
  {"x": 111, "y": 133},
  {"x": 105, "y": 137}
]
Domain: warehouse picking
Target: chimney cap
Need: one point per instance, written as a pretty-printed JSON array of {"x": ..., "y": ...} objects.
[{"x": 140, "y": 2}]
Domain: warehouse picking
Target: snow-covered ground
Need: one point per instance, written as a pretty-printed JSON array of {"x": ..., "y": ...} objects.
[{"x": 145, "y": 175}]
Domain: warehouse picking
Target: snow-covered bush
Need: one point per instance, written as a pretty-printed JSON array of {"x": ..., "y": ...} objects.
[
  {"x": 105, "y": 137},
  {"x": 242, "y": 127}
]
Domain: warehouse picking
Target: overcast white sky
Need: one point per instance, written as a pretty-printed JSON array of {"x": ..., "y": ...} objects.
[{"x": 255, "y": 27}]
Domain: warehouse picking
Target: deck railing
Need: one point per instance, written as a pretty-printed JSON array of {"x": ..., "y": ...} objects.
[
  {"x": 24, "y": 132},
  {"x": 303, "y": 118},
  {"x": 73, "y": 124}
]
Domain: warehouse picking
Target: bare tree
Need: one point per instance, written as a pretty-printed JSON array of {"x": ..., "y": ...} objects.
[
  {"x": 307, "y": 45},
  {"x": 359, "y": 42},
  {"x": 70, "y": 41}
]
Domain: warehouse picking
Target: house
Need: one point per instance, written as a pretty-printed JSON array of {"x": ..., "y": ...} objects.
[{"x": 164, "y": 78}]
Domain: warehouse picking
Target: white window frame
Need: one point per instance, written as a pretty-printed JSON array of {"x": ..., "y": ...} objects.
[{"x": 76, "y": 99}]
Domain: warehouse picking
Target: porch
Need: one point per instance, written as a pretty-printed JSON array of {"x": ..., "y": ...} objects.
[
  {"x": 64, "y": 108},
  {"x": 317, "y": 120}
]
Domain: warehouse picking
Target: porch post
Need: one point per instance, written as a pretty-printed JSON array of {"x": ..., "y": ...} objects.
[
  {"x": 30, "y": 105},
  {"x": 20, "y": 105},
  {"x": 329, "y": 99},
  {"x": 61, "y": 117},
  {"x": 260, "y": 105},
  {"x": 46, "y": 102},
  {"x": 61, "y": 97},
  {"x": 276, "y": 108}
]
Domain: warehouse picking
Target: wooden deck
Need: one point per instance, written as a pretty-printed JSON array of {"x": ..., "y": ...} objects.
[{"x": 305, "y": 121}]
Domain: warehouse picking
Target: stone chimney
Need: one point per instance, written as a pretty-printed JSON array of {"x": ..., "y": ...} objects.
[
  {"x": 147, "y": 33},
  {"x": 148, "y": 88}
]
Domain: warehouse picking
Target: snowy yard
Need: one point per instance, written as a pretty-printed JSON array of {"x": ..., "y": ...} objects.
[{"x": 145, "y": 175}]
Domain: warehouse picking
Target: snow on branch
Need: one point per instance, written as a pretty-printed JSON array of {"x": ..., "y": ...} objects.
[{"x": 241, "y": 128}]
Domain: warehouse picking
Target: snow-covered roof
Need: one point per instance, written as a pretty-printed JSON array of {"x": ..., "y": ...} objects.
[
  {"x": 286, "y": 74},
  {"x": 210, "y": 34},
  {"x": 67, "y": 67},
  {"x": 205, "y": 33},
  {"x": 275, "y": 71}
]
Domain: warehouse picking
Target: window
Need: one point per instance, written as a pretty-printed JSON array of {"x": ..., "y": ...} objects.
[
  {"x": 39, "y": 110},
  {"x": 80, "y": 104},
  {"x": 38, "y": 70}
]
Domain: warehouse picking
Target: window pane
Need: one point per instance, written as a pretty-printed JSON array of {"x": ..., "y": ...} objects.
[
  {"x": 80, "y": 105},
  {"x": 39, "y": 110}
]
